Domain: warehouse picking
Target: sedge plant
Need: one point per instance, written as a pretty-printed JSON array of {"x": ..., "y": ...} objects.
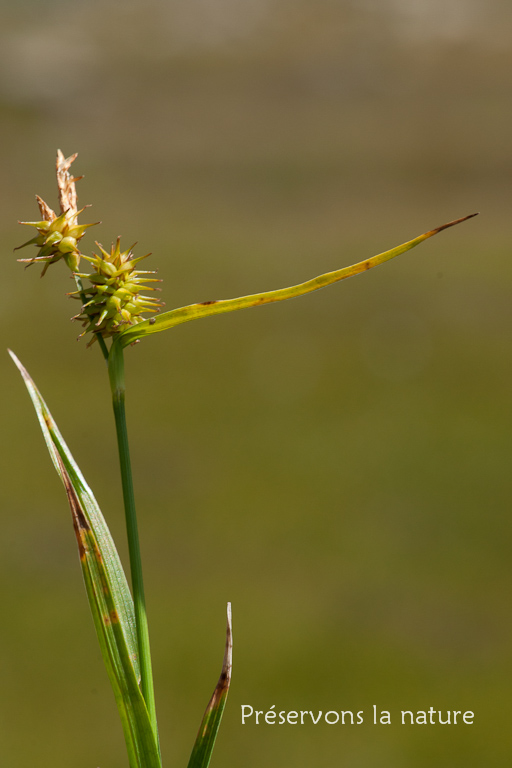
[{"x": 112, "y": 295}]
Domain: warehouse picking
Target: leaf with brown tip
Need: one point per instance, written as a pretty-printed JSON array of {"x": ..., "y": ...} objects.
[
  {"x": 195, "y": 311},
  {"x": 205, "y": 741}
]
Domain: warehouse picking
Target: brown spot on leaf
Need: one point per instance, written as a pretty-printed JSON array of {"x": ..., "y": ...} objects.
[
  {"x": 207, "y": 303},
  {"x": 49, "y": 421},
  {"x": 80, "y": 523},
  {"x": 111, "y": 618}
]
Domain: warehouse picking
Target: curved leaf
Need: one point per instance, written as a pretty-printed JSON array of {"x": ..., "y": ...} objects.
[
  {"x": 61, "y": 455},
  {"x": 195, "y": 311},
  {"x": 107, "y": 590}
]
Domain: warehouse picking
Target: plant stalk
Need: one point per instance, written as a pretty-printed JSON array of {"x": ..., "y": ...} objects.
[{"x": 116, "y": 372}]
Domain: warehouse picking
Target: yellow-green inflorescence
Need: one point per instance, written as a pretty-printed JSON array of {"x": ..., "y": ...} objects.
[
  {"x": 113, "y": 301},
  {"x": 57, "y": 239},
  {"x": 58, "y": 236}
]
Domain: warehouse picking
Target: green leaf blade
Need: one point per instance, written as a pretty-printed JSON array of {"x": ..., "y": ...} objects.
[
  {"x": 205, "y": 741},
  {"x": 107, "y": 590},
  {"x": 60, "y": 454},
  {"x": 175, "y": 317},
  {"x": 140, "y": 739}
]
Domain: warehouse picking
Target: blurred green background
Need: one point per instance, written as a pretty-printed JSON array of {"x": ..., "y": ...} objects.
[{"x": 338, "y": 466}]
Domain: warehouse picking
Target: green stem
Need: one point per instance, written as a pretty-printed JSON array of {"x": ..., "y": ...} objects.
[
  {"x": 116, "y": 372},
  {"x": 103, "y": 346}
]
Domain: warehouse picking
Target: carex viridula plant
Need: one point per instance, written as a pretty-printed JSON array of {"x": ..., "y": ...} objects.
[{"x": 113, "y": 304}]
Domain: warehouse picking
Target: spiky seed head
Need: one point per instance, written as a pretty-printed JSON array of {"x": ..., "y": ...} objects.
[
  {"x": 114, "y": 300},
  {"x": 58, "y": 236}
]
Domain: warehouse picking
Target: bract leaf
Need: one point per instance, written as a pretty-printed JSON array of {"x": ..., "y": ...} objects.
[
  {"x": 107, "y": 589},
  {"x": 195, "y": 311},
  {"x": 205, "y": 741}
]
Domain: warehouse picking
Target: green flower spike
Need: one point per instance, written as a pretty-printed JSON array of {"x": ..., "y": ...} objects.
[
  {"x": 114, "y": 301},
  {"x": 58, "y": 236}
]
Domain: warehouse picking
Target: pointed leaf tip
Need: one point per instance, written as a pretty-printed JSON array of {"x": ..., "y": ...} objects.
[
  {"x": 205, "y": 741},
  {"x": 18, "y": 364},
  {"x": 452, "y": 223},
  {"x": 228, "y": 653}
]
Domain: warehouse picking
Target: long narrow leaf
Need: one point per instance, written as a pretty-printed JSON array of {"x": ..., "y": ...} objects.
[
  {"x": 205, "y": 741},
  {"x": 206, "y": 308},
  {"x": 140, "y": 739},
  {"x": 107, "y": 590},
  {"x": 60, "y": 453}
]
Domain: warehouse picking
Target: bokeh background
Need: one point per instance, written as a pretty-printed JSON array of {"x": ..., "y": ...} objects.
[{"x": 338, "y": 466}]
